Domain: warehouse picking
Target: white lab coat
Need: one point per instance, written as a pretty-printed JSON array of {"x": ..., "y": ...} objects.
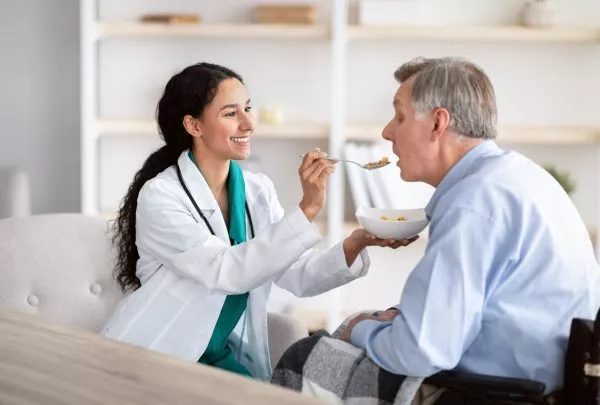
[{"x": 186, "y": 273}]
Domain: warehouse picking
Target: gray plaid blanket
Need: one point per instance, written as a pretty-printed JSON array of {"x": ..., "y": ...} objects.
[{"x": 341, "y": 373}]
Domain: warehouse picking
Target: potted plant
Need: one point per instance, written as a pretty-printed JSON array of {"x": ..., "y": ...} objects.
[{"x": 562, "y": 177}]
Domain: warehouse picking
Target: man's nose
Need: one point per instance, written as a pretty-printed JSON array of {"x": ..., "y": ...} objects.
[{"x": 386, "y": 133}]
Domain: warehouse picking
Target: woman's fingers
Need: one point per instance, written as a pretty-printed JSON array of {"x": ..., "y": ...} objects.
[
  {"x": 325, "y": 168},
  {"x": 326, "y": 173},
  {"x": 314, "y": 165},
  {"x": 391, "y": 243},
  {"x": 395, "y": 244},
  {"x": 316, "y": 169},
  {"x": 310, "y": 157}
]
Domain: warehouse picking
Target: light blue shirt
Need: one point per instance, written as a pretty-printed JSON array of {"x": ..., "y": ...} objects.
[{"x": 509, "y": 263}]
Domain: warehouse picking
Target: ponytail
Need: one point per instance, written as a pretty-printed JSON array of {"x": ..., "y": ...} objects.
[{"x": 124, "y": 236}]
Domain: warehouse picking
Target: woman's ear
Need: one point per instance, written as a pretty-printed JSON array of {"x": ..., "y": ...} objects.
[
  {"x": 192, "y": 126},
  {"x": 441, "y": 120}
]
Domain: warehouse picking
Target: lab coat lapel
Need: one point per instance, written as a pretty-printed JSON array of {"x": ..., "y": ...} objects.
[
  {"x": 259, "y": 211},
  {"x": 203, "y": 196}
]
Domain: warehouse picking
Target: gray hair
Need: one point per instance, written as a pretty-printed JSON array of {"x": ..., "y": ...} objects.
[{"x": 457, "y": 85}]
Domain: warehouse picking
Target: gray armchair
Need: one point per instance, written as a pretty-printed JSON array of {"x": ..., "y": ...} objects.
[
  {"x": 14, "y": 193},
  {"x": 60, "y": 267}
]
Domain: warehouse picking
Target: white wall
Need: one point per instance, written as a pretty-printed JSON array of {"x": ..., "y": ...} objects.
[
  {"x": 536, "y": 84},
  {"x": 39, "y": 98}
]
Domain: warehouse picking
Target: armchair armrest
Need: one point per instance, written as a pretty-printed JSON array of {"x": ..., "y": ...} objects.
[{"x": 478, "y": 387}]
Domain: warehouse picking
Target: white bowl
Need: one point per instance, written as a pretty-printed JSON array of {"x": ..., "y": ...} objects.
[{"x": 370, "y": 219}]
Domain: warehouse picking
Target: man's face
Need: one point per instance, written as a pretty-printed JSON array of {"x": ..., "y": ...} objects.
[{"x": 410, "y": 136}]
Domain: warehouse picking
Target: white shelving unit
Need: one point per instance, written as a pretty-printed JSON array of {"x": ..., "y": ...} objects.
[
  {"x": 506, "y": 134},
  {"x": 514, "y": 34},
  {"x": 212, "y": 31},
  {"x": 339, "y": 34},
  {"x": 306, "y": 130},
  {"x": 372, "y": 132}
]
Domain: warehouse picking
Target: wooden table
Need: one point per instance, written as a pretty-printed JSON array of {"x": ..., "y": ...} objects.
[{"x": 43, "y": 363}]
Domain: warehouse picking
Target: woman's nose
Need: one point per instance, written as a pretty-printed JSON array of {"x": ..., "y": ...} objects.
[{"x": 247, "y": 122}]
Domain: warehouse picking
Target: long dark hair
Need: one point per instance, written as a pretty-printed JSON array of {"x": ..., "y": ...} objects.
[{"x": 186, "y": 93}]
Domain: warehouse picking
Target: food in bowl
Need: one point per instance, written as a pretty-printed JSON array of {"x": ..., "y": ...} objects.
[
  {"x": 386, "y": 218},
  {"x": 371, "y": 219}
]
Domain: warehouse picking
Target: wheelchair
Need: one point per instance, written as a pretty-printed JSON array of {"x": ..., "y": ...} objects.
[{"x": 581, "y": 377}]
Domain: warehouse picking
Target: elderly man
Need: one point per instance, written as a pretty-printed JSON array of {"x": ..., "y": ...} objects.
[{"x": 509, "y": 262}]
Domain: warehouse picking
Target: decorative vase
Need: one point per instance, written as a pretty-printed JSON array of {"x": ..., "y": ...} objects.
[{"x": 539, "y": 13}]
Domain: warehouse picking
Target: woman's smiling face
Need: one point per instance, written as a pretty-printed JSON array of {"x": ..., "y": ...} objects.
[{"x": 227, "y": 124}]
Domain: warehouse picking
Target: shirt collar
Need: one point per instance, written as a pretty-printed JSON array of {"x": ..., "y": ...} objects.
[{"x": 459, "y": 171}]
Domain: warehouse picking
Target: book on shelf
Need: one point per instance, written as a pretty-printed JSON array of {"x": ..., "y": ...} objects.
[
  {"x": 168, "y": 18},
  {"x": 285, "y": 14}
]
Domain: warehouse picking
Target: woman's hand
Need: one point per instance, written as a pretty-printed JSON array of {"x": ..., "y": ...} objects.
[
  {"x": 314, "y": 172},
  {"x": 360, "y": 239}
]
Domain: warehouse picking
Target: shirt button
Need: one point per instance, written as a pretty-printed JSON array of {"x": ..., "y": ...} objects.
[
  {"x": 96, "y": 289},
  {"x": 33, "y": 300}
]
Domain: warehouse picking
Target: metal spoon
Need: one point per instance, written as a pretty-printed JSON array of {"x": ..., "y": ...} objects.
[{"x": 368, "y": 166}]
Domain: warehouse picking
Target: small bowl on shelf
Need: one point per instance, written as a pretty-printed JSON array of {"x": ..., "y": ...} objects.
[{"x": 392, "y": 223}]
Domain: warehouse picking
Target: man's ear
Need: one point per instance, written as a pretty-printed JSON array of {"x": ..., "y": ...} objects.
[
  {"x": 192, "y": 126},
  {"x": 441, "y": 120}
]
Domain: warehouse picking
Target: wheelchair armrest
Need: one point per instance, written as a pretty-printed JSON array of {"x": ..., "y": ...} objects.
[{"x": 487, "y": 385}]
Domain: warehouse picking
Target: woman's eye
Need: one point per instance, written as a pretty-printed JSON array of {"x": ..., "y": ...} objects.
[
  {"x": 248, "y": 109},
  {"x": 230, "y": 114}
]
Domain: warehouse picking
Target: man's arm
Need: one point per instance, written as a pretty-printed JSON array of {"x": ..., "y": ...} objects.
[{"x": 442, "y": 303}]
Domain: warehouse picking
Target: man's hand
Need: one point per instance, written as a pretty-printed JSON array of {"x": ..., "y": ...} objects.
[
  {"x": 387, "y": 315},
  {"x": 345, "y": 336},
  {"x": 381, "y": 316}
]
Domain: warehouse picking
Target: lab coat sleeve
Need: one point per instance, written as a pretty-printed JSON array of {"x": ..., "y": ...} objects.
[
  {"x": 442, "y": 302},
  {"x": 167, "y": 230},
  {"x": 316, "y": 272}
]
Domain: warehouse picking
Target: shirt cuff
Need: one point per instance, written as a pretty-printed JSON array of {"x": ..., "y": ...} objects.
[
  {"x": 308, "y": 233},
  {"x": 361, "y": 264},
  {"x": 361, "y": 332}
]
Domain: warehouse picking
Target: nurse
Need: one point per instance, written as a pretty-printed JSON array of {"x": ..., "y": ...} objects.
[{"x": 200, "y": 241}]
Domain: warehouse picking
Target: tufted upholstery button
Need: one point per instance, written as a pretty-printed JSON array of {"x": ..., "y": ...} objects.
[
  {"x": 96, "y": 289},
  {"x": 33, "y": 300}
]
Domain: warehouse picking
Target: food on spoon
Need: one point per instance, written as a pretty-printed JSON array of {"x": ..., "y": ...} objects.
[
  {"x": 386, "y": 218},
  {"x": 380, "y": 163}
]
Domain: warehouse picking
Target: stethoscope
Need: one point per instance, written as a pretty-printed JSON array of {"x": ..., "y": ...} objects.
[{"x": 200, "y": 212}]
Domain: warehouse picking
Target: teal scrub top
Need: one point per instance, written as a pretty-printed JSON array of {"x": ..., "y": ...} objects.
[{"x": 218, "y": 353}]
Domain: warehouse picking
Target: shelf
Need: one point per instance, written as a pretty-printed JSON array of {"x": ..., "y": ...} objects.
[
  {"x": 304, "y": 130},
  {"x": 549, "y": 135},
  {"x": 222, "y": 31},
  {"x": 355, "y": 32},
  {"x": 507, "y": 134},
  {"x": 371, "y": 132},
  {"x": 476, "y": 33}
]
